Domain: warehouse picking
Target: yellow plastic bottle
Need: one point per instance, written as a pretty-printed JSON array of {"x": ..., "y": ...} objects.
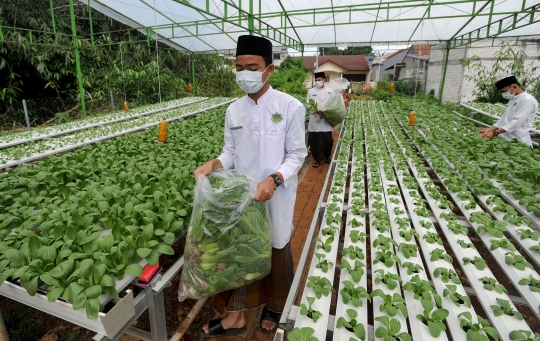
[
  {"x": 162, "y": 135},
  {"x": 126, "y": 106},
  {"x": 412, "y": 118},
  {"x": 392, "y": 88}
]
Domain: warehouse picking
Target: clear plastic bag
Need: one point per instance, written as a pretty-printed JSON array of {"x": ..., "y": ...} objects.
[
  {"x": 229, "y": 239},
  {"x": 333, "y": 109}
]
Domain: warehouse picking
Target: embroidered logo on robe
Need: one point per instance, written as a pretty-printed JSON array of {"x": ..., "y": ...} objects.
[{"x": 277, "y": 118}]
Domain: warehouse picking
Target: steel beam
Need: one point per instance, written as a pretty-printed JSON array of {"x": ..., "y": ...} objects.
[
  {"x": 282, "y": 38},
  {"x": 441, "y": 89},
  {"x": 512, "y": 22}
]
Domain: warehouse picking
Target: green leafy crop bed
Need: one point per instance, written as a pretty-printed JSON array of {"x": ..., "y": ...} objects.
[{"x": 72, "y": 225}]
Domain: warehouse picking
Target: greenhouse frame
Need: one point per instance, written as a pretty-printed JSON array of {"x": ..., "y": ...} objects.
[{"x": 403, "y": 187}]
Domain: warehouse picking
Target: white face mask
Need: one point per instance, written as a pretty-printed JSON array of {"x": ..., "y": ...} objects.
[
  {"x": 318, "y": 84},
  {"x": 250, "y": 81},
  {"x": 508, "y": 95}
]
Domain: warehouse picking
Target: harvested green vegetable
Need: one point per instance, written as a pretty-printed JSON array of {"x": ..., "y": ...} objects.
[
  {"x": 229, "y": 239},
  {"x": 334, "y": 110}
]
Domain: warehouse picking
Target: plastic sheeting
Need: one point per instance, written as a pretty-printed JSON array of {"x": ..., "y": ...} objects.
[{"x": 214, "y": 25}]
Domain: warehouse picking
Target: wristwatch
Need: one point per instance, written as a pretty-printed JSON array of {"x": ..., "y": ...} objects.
[
  {"x": 277, "y": 179},
  {"x": 495, "y": 132}
]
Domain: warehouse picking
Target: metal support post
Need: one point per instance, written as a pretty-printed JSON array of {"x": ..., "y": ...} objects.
[
  {"x": 90, "y": 22},
  {"x": 250, "y": 18},
  {"x": 26, "y": 114},
  {"x": 302, "y": 65},
  {"x": 441, "y": 89},
  {"x": 193, "y": 75},
  {"x": 112, "y": 100},
  {"x": 156, "y": 312},
  {"x": 77, "y": 58}
]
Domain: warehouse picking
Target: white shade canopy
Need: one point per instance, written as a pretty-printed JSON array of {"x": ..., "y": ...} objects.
[{"x": 214, "y": 25}]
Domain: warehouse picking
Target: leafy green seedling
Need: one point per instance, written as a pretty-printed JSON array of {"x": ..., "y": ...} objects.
[
  {"x": 390, "y": 330},
  {"x": 355, "y": 223},
  {"x": 535, "y": 248},
  {"x": 353, "y": 252},
  {"x": 504, "y": 307},
  {"x": 457, "y": 228},
  {"x": 447, "y": 275},
  {"x": 408, "y": 235},
  {"x": 479, "y": 262},
  {"x": 412, "y": 268},
  {"x": 381, "y": 225},
  {"x": 475, "y": 331},
  {"x": 422, "y": 289},
  {"x": 330, "y": 231},
  {"x": 422, "y": 212},
  {"x": 426, "y": 224},
  {"x": 353, "y": 294},
  {"x": 391, "y": 303},
  {"x": 524, "y": 335},
  {"x": 433, "y": 318},
  {"x": 449, "y": 217},
  {"x": 388, "y": 258},
  {"x": 384, "y": 243},
  {"x": 433, "y": 237},
  {"x": 302, "y": 334},
  {"x": 533, "y": 283},
  {"x": 358, "y": 210},
  {"x": 308, "y": 311},
  {"x": 391, "y": 280},
  {"x": 356, "y": 236},
  {"x": 440, "y": 254},
  {"x": 323, "y": 263},
  {"x": 352, "y": 325},
  {"x": 409, "y": 250},
  {"x": 325, "y": 245},
  {"x": 517, "y": 261},
  {"x": 321, "y": 285},
  {"x": 492, "y": 284},
  {"x": 456, "y": 297},
  {"x": 356, "y": 272},
  {"x": 528, "y": 234},
  {"x": 465, "y": 245},
  {"x": 502, "y": 243}
]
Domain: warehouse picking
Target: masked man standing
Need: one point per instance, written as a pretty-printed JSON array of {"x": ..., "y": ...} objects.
[
  {"x": 518, "y": 119},
  {"x": 320, "y": 130},
  {"x": 264, "y": 138}
]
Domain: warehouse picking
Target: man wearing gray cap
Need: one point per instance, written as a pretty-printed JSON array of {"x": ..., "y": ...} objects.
[{"x": 518, "y": 119}]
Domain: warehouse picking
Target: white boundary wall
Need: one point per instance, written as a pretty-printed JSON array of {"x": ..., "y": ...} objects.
[{"x": 457, "y": 88}]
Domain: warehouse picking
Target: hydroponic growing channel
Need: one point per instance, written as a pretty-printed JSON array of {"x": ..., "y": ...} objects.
[{"x": 448, "y": 231}]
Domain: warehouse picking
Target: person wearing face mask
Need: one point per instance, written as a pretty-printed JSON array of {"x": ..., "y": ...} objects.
[
  {"x": 518, "y": 119},
  {"x": 320, "y": 130},
  {"x": 264, "y": 139}
]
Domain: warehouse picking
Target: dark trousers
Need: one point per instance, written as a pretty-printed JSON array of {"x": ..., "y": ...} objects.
[{"x": 321, "y": 143}]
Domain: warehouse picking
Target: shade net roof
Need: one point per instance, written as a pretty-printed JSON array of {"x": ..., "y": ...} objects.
[{"x": 214, "y": 25}]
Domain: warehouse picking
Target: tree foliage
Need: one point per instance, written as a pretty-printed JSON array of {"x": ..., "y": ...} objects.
[
  {"x": 289, "y": 76},
  {"x": 507, "y": 62},
  {"x": 349, "y": 50},
  {"x": 42, "y": 63}
]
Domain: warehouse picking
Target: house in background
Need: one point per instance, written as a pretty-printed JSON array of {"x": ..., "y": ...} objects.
[
  {"x": 352, "y": 67},
  {"x": 279, "y": 53},
  {"x": 385, "y": 65}
]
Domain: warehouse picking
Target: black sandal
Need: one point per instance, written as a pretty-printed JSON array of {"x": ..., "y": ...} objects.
[
  {"x": 271, "y": 316},
  {"x": 215, "y": 329}
]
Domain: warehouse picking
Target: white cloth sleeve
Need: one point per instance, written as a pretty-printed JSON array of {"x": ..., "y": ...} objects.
[
  {"x": 295, "y": 144},
  {"x": 227, "y": 157},
  {"x": 524, "y": 109}
]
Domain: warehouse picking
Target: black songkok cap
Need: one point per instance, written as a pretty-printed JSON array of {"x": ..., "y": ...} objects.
[
  {"x": 319, "y": 74},
  {"x": 254, "y": 45},
  {"x": 506, "y": 82}
]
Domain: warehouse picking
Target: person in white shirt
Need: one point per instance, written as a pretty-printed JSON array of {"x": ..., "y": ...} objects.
[
  {"x": 320, "y": 131},
  {"x": 265, "y": 139},
  {"x": 518, "y": 119}
]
